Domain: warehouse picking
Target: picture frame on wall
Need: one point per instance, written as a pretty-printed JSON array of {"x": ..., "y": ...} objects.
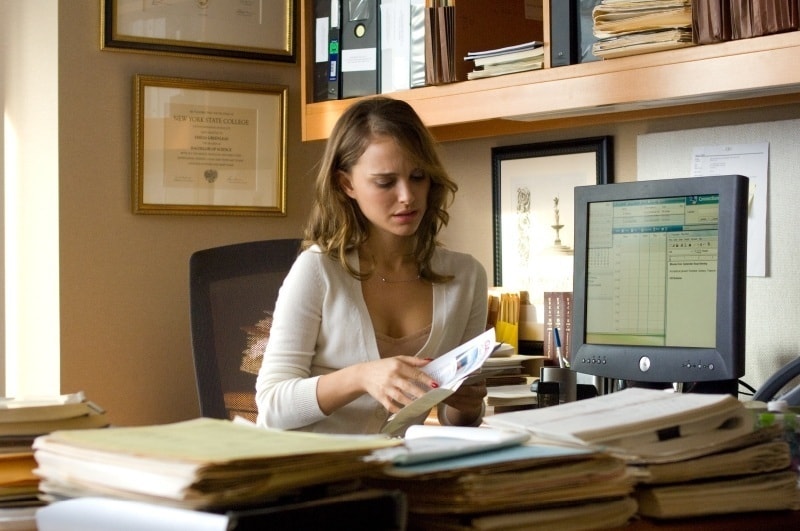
[
  {"x": 259, "y": 30},
  {"x": 532, "y": 193},
  {"x": 208, "y": 147}
]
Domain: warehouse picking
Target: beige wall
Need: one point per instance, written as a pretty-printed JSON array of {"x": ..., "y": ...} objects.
[{"x": 125, "y": 336}]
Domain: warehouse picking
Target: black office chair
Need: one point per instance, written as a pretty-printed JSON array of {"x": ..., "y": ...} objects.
[
  {"x": 232, "y": 295},
  {"x": 777, "y": 385}
]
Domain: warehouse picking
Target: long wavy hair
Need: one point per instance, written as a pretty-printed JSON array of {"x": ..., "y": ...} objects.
[{"x": 336, "y": 223}]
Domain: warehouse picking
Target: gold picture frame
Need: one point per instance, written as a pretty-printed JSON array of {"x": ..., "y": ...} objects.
[
  {"x": 259, "y": 30},
  {"x": 208, "y": 147}
]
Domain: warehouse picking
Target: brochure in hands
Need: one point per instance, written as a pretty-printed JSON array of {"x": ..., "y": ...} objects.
[{"x": 450, "y": 370}]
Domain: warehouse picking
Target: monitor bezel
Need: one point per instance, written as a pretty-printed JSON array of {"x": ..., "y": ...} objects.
[{"x": 671, "y": 364}]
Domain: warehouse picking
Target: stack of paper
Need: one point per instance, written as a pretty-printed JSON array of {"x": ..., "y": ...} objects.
[
  {"x": 519, "y": 58},
  {"x": 692, "y": 454},
  {"x": 752, "y": 475},
  {"x": 455, "y": 30},
  {"x": 201, "y": 463},
  {"x": 19, "y": 486},
  {"x": 630, "y": 27},
  {"x": 29, "y": 417},
  {"x": 21, "y": 421},
  {"x": 515, "y": 487}
]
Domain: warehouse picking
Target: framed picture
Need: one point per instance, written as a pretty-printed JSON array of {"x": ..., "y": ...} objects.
[
  {"x": 208, "y": 147},
  {"x": 234, "y": 29},
  {"x": 532, "y": 191}
]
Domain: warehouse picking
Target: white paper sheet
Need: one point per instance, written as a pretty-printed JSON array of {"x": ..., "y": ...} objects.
[{"x": 750, "y": 160}]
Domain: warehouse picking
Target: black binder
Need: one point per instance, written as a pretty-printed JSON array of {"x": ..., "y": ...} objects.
[
  {"x": 360, "y": 44},
  {"x": 563, "y": 32},
  {"x": 584, "y": 30},
  {"x": 327, "y": 21}
]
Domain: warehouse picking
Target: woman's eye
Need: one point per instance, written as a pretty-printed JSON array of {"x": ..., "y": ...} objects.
[{"x": 418, "y": 175}]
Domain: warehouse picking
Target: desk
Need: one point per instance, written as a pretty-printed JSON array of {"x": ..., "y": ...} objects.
[{"x": 767, "y": 520}]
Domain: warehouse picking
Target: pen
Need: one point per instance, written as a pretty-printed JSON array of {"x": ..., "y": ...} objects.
[{"x": 561, "y": 361}]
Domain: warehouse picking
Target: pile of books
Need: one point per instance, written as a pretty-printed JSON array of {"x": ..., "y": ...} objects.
[
  {"x": 508, "y": 60},
  {"x": 630, "y": 27},
  {"x": 691, "y": 454},
  {"x": 21, "y": 421}
]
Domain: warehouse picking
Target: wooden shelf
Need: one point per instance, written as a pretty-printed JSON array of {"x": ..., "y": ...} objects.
[{"x": 699, "y": 79}]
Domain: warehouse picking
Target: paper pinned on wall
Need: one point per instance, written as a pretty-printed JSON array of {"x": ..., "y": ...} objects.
[{"x": 750, "y": 160}]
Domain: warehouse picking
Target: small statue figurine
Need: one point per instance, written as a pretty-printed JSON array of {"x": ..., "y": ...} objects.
[{"x": 557, "y": 226}]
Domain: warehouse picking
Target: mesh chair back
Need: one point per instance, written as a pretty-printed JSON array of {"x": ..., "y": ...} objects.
[{"x": 232, "y": 295}]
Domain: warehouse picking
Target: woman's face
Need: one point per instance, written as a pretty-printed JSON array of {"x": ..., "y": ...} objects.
[{"x": 391, "y": 192}]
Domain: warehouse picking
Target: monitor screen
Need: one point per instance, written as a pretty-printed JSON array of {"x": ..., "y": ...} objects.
[{"x": 660, "y": 280}]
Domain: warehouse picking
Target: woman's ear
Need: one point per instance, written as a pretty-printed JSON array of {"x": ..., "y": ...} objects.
[{"x": 345, "y": 183}]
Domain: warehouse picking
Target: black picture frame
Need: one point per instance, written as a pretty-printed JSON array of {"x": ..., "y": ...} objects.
[{"x": 548, "y": 167}]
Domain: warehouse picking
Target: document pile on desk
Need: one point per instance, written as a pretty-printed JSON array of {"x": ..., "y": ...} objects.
[
  {"x": 484, "y": 478},
  {"x": 210, "y": 474},
  {"x": 24, "y": 419},
  {"x": 201, "y": 463},
  {"x": 691, "y": 454}
]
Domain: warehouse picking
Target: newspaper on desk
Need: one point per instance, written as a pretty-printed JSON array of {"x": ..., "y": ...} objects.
[{"x": 450, "y": 370}]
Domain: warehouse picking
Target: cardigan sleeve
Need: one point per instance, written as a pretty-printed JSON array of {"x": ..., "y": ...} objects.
[{"x": 285, "y": 389}]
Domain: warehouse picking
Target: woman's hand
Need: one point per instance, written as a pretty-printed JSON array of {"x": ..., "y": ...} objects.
[
  {"x": 396, "y": 381},
  {"x": 465, "y": 406}
]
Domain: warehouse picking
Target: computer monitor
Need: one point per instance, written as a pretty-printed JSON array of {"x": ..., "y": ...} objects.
[{"x": 660, "y": 281}]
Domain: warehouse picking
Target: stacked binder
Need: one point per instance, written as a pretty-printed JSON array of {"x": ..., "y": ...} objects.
[{"x": 379, "y": 46}]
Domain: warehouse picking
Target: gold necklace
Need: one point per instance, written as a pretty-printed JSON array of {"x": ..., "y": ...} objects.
[{"x": 387, "y": 281}]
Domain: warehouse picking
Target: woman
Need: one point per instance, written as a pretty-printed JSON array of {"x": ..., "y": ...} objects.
[{"x": 373, "y": 296}]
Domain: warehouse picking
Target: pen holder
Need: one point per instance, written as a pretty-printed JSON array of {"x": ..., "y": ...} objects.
[{"x": 567, "y": 380}]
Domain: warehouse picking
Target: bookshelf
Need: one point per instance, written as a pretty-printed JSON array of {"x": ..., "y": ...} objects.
[{"x": 742, "y": 74}]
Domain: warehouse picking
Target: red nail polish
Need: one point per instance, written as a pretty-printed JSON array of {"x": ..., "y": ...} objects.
[{"x": 434, "y": 385}]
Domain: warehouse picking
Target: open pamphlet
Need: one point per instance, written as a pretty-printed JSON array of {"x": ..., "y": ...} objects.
[
  {"x": 423, "y": 443},
  {"x": 450, "y": 370}
]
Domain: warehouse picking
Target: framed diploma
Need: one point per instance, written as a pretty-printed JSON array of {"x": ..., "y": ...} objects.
[
  {"x": 234, "y": 29},
  {"x": 208, "y": 147}
]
